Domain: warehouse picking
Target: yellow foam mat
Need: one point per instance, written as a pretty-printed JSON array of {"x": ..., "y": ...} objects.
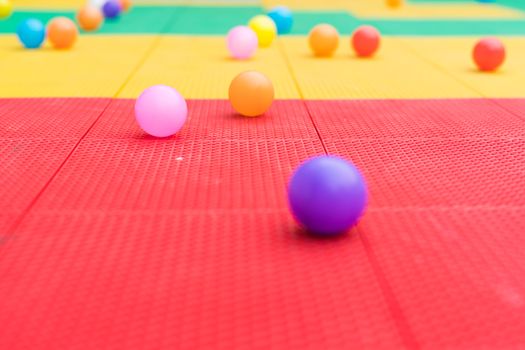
[
  {"x": 379, "y": 9},
  {"x": 199, "y": 67},
  {"x": 396, "y": 72},
  {"x": 51, "y": 5},
  {"x": 376, "y": 9},
  {"x": 453, "y": 56},
  {"x": 106, "y": 66},
  {"x": 98, "y": 66},
  {"x": 199, "y": 2}
]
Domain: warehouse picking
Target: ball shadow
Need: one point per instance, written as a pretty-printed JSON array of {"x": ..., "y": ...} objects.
[
  {"x": 315, "y": 57},
  {"x": 236, "y": 60},
  {"x": 146, "y": 137},
  {"x": 473, "y": 70},
  {"x": 235, "y": 116},
  {"x": 301, "y": 234},
  {"x": 24, "y": 49},
  {"x": 373, "y": 58}
]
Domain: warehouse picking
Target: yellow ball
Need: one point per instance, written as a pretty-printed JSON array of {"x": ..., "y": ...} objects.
[
  {"x": 265, "y": 29},
  {"x": 5, "y": 8}
]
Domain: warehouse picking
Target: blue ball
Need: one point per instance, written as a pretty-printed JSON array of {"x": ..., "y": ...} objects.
[
  {"x": 111, "y": 9},
  {"x": 31, "y": 33},
  {"x": 327, "y": 195},
  {"x": 282, "y": 16}
]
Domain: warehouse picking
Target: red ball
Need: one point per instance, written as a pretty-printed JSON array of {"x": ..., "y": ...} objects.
[
  {"x": 489, "y": 54},
  {"x": 365, "y": 41}
]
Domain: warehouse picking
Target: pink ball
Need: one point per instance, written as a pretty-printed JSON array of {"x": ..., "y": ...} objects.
[
  {"x": 242, "y": 42},
  {"x": 161, "y": 111}
]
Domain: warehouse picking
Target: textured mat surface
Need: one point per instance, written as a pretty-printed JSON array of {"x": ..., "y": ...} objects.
[
  {"x": 36, "y": 137},
  {"x": 113, "y": 239},
  {"x": 202, "y": 68},
  {"x": 347, "y": 77},
  {"x": 456, "y": 62},
  {"x": 124, "y": 66},
  {"x": 96, "y": 67}
]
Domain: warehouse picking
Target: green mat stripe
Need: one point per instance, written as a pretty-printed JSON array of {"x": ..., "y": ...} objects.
[{"x": 218, "y": 20}]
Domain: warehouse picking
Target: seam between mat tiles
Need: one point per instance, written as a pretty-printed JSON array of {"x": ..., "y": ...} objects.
[
  {"x": 407, "y": 336},
  {"x": 438, "y": 67},
  {"x": 301, "y": 95},
  {"x": 18, "y": 221},
  {"x": 493, "y": 100},
  {"x": 497, "y": 103},
  {"x": 24, "y": 213},
  {"x": 396, "y": 313},
  {"x": 510, "y": 6}
]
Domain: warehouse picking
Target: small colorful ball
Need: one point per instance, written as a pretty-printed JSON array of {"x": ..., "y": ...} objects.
[
  {"x": 265, "y": 29},
  {"x": 365, "y": 41},
  {"x": 111, "y": 9},
  {"x": 327, "y": 195},
  {"x": 282, "y": 16},
  {"x": 161, "y": 111},
  {"x": 324, "y": 40},
  {"x": 6, "y": 8},
  {"x": 242, "y": 42},
  {"x": 62, "y": 32},
  {"x": 90, "y": 18},
  {"x": 125, "y": 5},
  {"x": 31, "y": 33},
  {"x": 97, "y": 3},
  {"x": 489, "y": 54},
  {"x": 394, "y": 3},
  {"x": 251, "y": 93}
]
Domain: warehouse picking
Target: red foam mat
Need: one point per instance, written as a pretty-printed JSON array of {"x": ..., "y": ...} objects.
[
  {"x": 51, "y": 118},
  {"x": 215, "y": 120},
  {"x": 442, "y": 173},
  {"x": 456, "y": 274},
  {"x": 36, "y": 137},
  {"x": 112, "y": 239},
  {"x": 419, "y": 119},
  {"x": 196, "y": 280}
]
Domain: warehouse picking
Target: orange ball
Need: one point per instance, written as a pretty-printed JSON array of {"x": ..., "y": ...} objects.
[
  {"x": 394, "y": 3},
  {"x": 324, "y": 40},
  {"x": 125, "y": 4},
  {"x": 251, "y": 93},
  {"x": 62, "y": 32},
  {"x": 90, "y": 18}
]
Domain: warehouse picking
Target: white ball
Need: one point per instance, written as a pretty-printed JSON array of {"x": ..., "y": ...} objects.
[{"x": 97, "y": 3}]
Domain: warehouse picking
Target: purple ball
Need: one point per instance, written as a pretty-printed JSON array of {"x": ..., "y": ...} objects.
[
  {"x": 111, "y": 9},
  {"x": 327, "y": 195}
]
